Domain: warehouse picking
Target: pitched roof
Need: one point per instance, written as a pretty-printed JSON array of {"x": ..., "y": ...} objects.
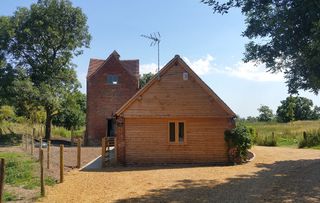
[
  {"x": 191, "y": 72},
  {"x": 132, "y": 66},
  {"x": 94, "y": 64}
]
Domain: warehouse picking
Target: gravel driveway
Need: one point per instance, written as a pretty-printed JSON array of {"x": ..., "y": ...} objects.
[{"x": 275, "y": 175}]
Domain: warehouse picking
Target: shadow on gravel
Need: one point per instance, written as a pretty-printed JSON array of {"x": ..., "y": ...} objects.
[{"x": 297, "y": 181}]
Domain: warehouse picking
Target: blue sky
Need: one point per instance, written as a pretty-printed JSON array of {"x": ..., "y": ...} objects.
[{"x": 210, "y": 43}]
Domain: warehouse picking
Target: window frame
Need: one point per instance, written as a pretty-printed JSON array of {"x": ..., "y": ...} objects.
[
  {"x": 113, "y": 76},
  {"x": 176, "y": 141}
]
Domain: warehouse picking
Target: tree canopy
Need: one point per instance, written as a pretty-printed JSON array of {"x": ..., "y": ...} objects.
[
  {"x": 144, "y": 79},
  {"x": 72, "y": 112},
  {"x": 285, "y": 35},
  {"x": 297, "y": 108},
  {"x": 42, "y": 40},
  {"x": 265, "y": 113}
]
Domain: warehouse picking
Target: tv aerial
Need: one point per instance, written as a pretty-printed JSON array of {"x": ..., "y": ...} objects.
[{"x": 155, "y": 40}]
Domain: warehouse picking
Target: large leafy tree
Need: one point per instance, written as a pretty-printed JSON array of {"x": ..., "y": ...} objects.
[
  {"x": 43, "y": 39},
  {"x": 72, "y": 113},
  {"x": 296, "y": 108},
  {"x": 285, "y": 35},
  {"x": 265, "y": 113}
]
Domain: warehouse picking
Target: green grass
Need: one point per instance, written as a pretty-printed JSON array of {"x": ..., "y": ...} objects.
[
  {"x": 22, "y": 170},
  {"x": 286, "y": 134},
  {"x": 8, "y": 197},
  {"x": 316, "y": 147}
]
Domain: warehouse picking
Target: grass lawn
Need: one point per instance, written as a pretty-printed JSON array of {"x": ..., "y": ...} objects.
[
  {"x": 286, "y": 134},
  {"x": 22, "y": 174}
]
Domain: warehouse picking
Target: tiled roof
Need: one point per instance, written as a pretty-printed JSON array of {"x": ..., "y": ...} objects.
[
  {"x": 132, "y": 66},
  {"x": 94, "y": 64}
]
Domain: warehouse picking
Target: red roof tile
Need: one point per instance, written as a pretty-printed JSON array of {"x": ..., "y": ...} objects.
[
  {"x": 132, "y": 66},
  {"x": 94, "y": 64}
]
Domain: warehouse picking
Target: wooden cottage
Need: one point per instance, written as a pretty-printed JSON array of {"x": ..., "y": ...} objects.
[{"x": 175, "y": 118}]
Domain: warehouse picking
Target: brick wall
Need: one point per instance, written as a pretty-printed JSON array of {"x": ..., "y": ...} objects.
[{"x": 103, "y": 99}]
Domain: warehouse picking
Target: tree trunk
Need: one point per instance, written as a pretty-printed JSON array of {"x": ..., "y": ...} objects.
[{"x": 48, "y": 124}]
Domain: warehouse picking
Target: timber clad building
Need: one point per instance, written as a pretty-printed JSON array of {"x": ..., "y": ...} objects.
[{"x": 175, "y": 118}]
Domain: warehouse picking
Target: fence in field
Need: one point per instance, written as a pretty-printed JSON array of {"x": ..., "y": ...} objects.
[{"x": 28, "y": 145}]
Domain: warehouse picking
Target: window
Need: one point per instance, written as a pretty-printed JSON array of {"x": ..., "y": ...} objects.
[
  {"x": 172, "y": 132},
  {"x": 112, "y": 79},
  {"x": 176, "y": 132},
  {"x": 181, "y": 132}
]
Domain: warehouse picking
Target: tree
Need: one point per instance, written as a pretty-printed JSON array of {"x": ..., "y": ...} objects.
[
  {"x": 296, "y": 108},
  {"x": 285, "y": 35},
  {"x": 7, "y": 113},
  {"x": 266, "y": 113},
  {"x": 73, "y": 111},
  {"x": 303, "y": 109},
  {"x": 43, "y": 39},
  {"x": 316, "y": 113},
  {"x": 251, "y": 119},
  {"x": 144, "y": 79}
]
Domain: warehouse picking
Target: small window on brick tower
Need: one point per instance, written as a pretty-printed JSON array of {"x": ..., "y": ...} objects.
[{"x": 112, "y": 79}]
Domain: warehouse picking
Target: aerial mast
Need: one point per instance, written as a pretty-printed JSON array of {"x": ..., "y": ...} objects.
[{"x": 155, "y": 40}]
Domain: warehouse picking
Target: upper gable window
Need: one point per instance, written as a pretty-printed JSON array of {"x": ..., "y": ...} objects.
[{"x": 112, "y": 79}]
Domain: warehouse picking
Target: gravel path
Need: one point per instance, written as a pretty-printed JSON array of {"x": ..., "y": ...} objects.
[
  {"x": 70, "y": 158},
  {"x": 275, "y": 175}
]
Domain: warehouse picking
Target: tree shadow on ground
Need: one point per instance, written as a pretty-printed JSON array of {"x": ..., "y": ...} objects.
[{"x": 282, "y": 181}]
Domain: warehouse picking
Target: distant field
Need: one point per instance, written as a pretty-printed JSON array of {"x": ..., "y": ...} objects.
[
  {"x": 286, "y": 134},
  {"x": 26, "y": 128}
]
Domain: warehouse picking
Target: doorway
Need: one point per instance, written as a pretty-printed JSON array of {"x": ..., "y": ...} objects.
[{"x": 110, "y": 127}]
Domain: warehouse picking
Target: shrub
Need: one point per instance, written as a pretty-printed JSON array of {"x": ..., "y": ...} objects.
[
  {"x": 310, "y": 139},
  {"x": 61, "y": 132},
  {"x": 263, "y": 140},
  {"x": 253, "y": 135},
  {"x": 239, "y": 142},
  {"x": 10, "y": 139},
  {"x": 21, "y": 119}
]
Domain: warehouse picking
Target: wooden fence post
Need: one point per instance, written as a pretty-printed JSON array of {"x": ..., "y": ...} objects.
[
  {"x": 2, "y": 164},
  {"x": 61, "y": 163},
  {"x": 25, "y": 142},
  {"x": 40, "y": 146},
  {"x": 79, "y": 153},
  {"x": 41, "y": 174},
  {"x": 304, "y": 135},
  {"x": 32, "y": 145},
  {"x": 103, "y": 152},
  {"x": 48, "y": 154},
  {"x": 72, "y": 138},
  {"x": 32, "y": 140}
]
